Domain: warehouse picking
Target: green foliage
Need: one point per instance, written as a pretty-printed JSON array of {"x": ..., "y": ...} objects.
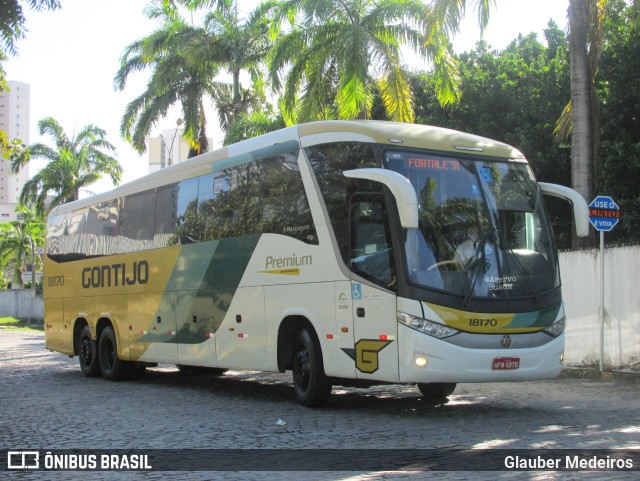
[
  {"x": 174, "y": 79},
  {"x": 5, "y": 321},
  {"x": 619, "y": 91},
  {"x": 75, "y": 163},
  {"x": 12, "y": 20},
  {"x": 20, "y": 241},
  {"x": 252, "y": 125},
  {"x": 513, "y": 96},
  {"x": 184, "y": 59},
  {"x": 339, "y": 53},
  {"x": 516, "y": 96}
]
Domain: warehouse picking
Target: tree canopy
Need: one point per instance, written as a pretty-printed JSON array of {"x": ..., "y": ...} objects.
[
  {"x": 19, "y": 243},
  {"x": 12, "y": 20},
  {"x": 338, "y": 53},
  {"x": 74, "y": 164}
]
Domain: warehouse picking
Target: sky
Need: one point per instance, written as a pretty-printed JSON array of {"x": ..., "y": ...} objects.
[{"x": 70, "y": 57}]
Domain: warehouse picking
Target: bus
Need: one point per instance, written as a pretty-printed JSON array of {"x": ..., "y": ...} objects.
[{"x": 351, "y": 253}]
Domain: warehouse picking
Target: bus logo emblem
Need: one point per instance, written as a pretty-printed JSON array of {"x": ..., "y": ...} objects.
[
  {"x": 506, "y": 341},
  {"x": 365, "y": 354}
]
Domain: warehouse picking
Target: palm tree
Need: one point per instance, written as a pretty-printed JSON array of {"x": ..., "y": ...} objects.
[
  {"x": 19, "y": 243},
  {"x": 442, "y": 23},
  {"x": 339, "y": 49},
  {"x": 184, "y": 60},
  {"x": 12, "y": 20},
  {"x": 235, "y": 45},
  {"x": 174, "y": 79},
  {"x": 74, "y": 164},
  {"x": 586, "y": 21}
]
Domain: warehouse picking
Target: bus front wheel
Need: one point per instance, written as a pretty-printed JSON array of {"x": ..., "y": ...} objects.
[
  {"x": 88, "y": 353},
  {"x": 434, "y": 391},
  {"x": 113, "y": 368},
  {"x": 312, "y": 386}
]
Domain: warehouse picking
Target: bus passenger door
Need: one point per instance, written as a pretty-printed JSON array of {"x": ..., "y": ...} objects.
[{"x": 375, "y": 349}]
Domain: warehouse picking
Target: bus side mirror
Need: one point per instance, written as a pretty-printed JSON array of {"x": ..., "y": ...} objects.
[
  {"x": 580, "y": 206},
  {"x": 400, "y": 187}
]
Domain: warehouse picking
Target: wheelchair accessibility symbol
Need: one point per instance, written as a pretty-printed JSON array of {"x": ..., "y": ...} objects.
[{"x": 356, "y": 292}]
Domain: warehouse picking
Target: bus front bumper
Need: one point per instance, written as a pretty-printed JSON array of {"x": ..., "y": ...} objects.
[{"x": 425, "y": 359}]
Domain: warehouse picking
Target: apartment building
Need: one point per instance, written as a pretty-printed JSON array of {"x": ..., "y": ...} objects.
[
  {"x": 14, "y": 120},
  {"x": 168, "y": 148}
]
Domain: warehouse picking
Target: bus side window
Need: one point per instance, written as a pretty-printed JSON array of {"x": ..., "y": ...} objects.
[
  {"x": 166, "y": 220},
  {"x": 370, "y": 246},
  {"x": 135, "y": 222},
  {"x": 285, "y": 209},
  {"x": 188, "y": 227}
]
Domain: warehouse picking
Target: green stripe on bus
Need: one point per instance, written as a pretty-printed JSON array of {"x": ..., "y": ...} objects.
[
  {"x": 271, "y": 151},
  {"x": 212, "y": 269},
  {"x": 542, "y": 319}
]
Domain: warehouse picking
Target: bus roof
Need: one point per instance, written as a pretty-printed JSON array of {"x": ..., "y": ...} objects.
[
  {"x": 415, "y": 135},
  {"x": 392, "y": 133}
]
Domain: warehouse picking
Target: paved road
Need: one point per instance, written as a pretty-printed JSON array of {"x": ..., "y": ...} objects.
[{"x": 47, "y": 404}]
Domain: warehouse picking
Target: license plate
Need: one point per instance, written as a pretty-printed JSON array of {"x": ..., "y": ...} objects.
[{"x": 502, "y": 363}]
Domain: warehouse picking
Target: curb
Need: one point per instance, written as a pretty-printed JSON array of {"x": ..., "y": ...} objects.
[{"x": 596, "y": 375}]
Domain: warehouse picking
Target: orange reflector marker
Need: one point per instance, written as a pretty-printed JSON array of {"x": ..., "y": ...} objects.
[{"x": 344, "y": 329}]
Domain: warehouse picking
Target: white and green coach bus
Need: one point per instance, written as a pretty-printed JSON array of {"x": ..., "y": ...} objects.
[{"x": 349, "y": 252}]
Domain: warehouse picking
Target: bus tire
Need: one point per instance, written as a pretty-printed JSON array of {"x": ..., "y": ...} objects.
[
  {"x": 88, "y": 353},
  {"x": 434, "y": 391},
  {"x": 113, "y": 368},
  {"x": 311, "y": 385}
]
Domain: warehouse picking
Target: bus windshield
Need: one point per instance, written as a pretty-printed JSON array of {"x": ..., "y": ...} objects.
[{"x": 482, "y": 227}]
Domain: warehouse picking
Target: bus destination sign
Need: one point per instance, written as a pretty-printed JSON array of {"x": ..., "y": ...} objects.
[{"x": 604, "y": 213}]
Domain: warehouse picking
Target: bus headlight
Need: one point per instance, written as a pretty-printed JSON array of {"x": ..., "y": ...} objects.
[
  {"x": 557, "y": 327},
  {"x": 431, "y": 328}
]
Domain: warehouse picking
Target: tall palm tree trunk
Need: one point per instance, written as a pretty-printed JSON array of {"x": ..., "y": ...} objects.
[{"x": 582, "y": 156}]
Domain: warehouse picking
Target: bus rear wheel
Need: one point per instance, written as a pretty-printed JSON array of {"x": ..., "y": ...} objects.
[
  {"x": 434, "y": 391},
  {"x": 113, "y": 368},
  {"x": 88, "y": 353},
  {"x": 312, "y": 386}
]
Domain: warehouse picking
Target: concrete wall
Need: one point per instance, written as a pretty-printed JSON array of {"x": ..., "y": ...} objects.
[
  {"x": 22, "y": 303},
  {"x": 580, "y": 273}
]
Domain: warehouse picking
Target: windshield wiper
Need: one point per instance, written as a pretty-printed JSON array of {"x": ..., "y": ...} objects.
[
  {"x": 474, "y": 270},
  {"x": 526, "y": 276}
]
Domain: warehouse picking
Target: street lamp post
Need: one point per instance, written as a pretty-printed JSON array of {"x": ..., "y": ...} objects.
[{"x": 175, "y": 134}]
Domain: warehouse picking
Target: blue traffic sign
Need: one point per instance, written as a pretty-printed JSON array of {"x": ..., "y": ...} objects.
[{"x": 604, "y": 213}]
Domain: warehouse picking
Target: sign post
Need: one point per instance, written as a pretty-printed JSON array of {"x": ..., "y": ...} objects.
[{"x": 604, "y": 214}]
